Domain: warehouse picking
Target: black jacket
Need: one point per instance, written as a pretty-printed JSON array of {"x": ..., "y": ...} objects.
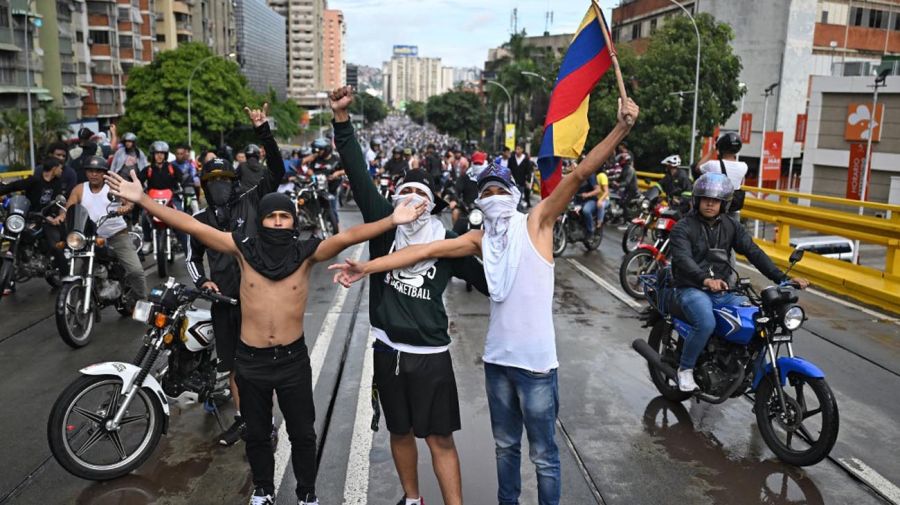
[
  {"x": 240, "y": 216},
  {"x": 167, "y": 176},
  {"x": 250, "y": 173},
  {"x": 692, "y": 238},
  {"x": 675, "y": 186},
  {"x": 519, "y": 171}
]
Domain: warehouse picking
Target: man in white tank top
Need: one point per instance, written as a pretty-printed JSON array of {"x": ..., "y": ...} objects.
[
  {"x": 520, "y": 363},
  {"x": 93, "y": 195}
]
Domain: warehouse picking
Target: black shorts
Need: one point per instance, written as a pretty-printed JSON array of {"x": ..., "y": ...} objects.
[
  {"x": 421, "y": 397},
  {"x": 226, "y": 321}
]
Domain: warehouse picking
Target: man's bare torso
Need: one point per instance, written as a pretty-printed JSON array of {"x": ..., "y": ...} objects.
[{"x": 272, "y": 311}]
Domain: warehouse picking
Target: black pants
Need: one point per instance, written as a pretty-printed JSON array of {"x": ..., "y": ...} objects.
[
  {"x": 226, "y": 322},
  {"x": 286, "y": 371},
  {"x": 52, "y": 235}
]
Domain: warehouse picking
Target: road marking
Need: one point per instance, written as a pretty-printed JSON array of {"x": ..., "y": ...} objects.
[
  {"x": 627, "y": 300},
  {"x": 871, "y": 478},
  {"x": 845, "y": 303},
  {"x": 356, "y": 485},
  {"x": 316, "y": 359}
]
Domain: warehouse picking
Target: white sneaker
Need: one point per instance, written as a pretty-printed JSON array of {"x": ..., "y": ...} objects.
[
  {"x": 261, "y": 498},
  {"x": 686, "y": 380},
  {"x": 147, "y": 248},
  {"x": 314, "y": 502}
]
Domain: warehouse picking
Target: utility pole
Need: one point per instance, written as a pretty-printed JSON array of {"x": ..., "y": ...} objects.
[
  {"x": 762, "y": 147},
  {"x": 863, "y": 191}
]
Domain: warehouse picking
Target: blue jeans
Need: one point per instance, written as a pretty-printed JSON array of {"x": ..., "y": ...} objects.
[
  {"x": 697, "y": 307},
  {"x": 518, "y": 398},
  {"x": 601, "y": 211},
  {"x": 588, "y": 211}
]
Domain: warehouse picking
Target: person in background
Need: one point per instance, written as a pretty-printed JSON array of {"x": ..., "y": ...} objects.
[
  {"x": 129, "y": 156},
  {"x": 86, "y": 150},
  {"x": 69, "y": 178},
  {"x": 520, "y": 166}
]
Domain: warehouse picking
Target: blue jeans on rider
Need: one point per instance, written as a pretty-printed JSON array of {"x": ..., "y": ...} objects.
[
  {"x": 601, "y": 211},
  {"x": 333, "y": 202},
  {"x": 517, "y": 398},
  {"x": 697, "y": 307},
  {"x": 588, "y": 212}
]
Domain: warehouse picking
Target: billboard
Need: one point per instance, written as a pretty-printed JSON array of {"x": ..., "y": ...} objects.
[
  {"x": 406, "y": 51},
  {"x": 800, "y": 129},
  {"x": 855, "y": 171},
  {"x": 771, "y": 162},
  {"x": 746, "y": 125},
  {"x": 510, "y": 136},
  {"x": 857, "y": 126}
]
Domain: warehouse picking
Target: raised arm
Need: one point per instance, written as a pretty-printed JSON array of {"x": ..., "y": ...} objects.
[
  {"x": 465, "y": 245},
  {"x": 210, "y": 237},
  {"x": 274, "y": 162},
  {"x": 549, "y": 209}
]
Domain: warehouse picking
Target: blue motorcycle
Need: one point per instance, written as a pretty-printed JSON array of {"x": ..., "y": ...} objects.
[{"x": 795, "y": 409}]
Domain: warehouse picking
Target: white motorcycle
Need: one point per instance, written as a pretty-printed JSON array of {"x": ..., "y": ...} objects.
[{"x": 107, "y": 422}]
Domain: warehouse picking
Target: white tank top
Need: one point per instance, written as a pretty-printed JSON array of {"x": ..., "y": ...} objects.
[
  {"x": 520, "y": 331},
  {"x": 96, "y": 204}
]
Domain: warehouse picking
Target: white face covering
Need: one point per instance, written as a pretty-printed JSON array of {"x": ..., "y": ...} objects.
[
  {"x": 425, "y": 229},
  {"x": 504, "y": 235}
]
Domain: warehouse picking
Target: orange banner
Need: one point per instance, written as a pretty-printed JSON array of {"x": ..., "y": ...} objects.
[
  {"x": 800, "y": 129},
  {"x": 855, "y": 172},
  {"x": 746, "y": 127},
  {"x": 856, "y": 127},
  {"x": 709, "y": 143},
  {"x": 771, "y": 162}
]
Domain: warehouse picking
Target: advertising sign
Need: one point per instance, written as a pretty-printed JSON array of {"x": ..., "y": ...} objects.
[
  {"x": 510, "y": 136},
  {"x": 856, "y": 127},
  {"x": 406, "y": 50},
  {"x": 771, "y": 162},
  {"x": 800, "y": 129},
  {"x": 855, "y": 170},
  {"x": 746, "y": 127},
  {"x": 709, "y": 143}
]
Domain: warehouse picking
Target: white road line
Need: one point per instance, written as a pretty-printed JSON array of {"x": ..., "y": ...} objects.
[
  {"x": 627, "y": 300},
  {"x": 356, "y": 485},
  {"x": 316, "y": 359},
  {"x": 873, "y": 479},
  {"x": 879, "y": 315}
]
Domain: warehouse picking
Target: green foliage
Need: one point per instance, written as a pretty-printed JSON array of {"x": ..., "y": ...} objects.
[
  {"x": 373, "y": 107},
  {"x": 667, "y": 67},
  {"x": 49, "y": 125},
  {"x": 416, "y": 112},
  {"x": 458, "y": 113},
  {"x": 156, "y": 106},
  {"x": 286, "y": 114}
]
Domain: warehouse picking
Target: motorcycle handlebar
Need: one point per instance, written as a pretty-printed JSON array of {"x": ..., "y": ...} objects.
[{"x": 216, "y": 297}]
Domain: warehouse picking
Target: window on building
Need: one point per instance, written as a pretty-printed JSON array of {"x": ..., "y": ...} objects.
[
  {"x": 101, "y": 67},
  {"x": 7, "y": 68},
  {"x": 126, "y": 41},
  {"x": 877, "y": 19},
  {"x": 98, "y": 37},
  {"x": 635, "y": 31},
  {"x": 79, "y": 36},
  {"x": 824, "y": 17},
  {"x": 160, "y": 37},
  {"x": 652, "y": 26},
  {"x": 896, "y": 21},
  {"x": 103, "y": 96},
  {"x": 856, "y": 16},
  {"x": 97, "y": 8}
]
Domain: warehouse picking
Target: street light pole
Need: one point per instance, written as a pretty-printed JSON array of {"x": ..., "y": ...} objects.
[
  {"x": 28, "y": 87},
  {"x": 762, "y": 147},
  {"x": 696, "y": 82},
  {"x": 190, "y": 81},
  {"x": 743, "y": 88},
  {"x": 508, "y": 97},
  {"x": 863, "y": 192}
]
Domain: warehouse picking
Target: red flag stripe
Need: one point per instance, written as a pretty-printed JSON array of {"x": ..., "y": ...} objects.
[{"x": 570, "y": 92}]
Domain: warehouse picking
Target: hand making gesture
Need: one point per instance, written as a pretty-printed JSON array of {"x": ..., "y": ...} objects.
[{"x": 257, "y": 116}]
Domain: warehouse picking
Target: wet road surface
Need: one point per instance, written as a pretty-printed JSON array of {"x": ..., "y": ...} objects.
[{"x": 620, "y": 443}]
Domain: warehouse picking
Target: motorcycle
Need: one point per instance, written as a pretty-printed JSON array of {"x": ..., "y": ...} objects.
[
  {"x": 108, "y": 421},
  {"x": 313, "y": 206},
  {"x": 100, "y": 281},
  {"x": 26, "y": 255},
  {"x": 642, "y": 227},
  {"x": 648, "y": 258},
  {"x": 569, "y": 227},
  {"x": 163, "y": 241},
  {"x": 622, "y": 210},
  {"x": 743, "y": 356},
  {"x": 344, "y": 192}
]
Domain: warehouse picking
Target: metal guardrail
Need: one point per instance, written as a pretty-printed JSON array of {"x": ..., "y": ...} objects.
[
  {"x": 10, "y": 175},
  {"x": 870, "y": 285}
]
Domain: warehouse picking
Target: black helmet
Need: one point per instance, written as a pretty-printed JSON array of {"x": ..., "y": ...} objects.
[
  {"x": 225, "y": 152},
  {"x": 252, "y": 150},
  {"x": 129, "y": 137},
  {"x": 713, "y": 185},
  {"x": 96, "y": 163},
  {"x": 729, "y": 143},
  {"x": 217, "y": 167},
  {"x": 397, "y": 150},
  {"x": 159, "y": 147}
]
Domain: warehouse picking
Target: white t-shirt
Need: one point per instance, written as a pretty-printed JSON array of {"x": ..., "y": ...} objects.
[{"x": 735, "y": 170}]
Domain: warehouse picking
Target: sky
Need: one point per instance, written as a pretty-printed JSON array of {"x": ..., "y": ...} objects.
[{"x": 460, "y": 32}]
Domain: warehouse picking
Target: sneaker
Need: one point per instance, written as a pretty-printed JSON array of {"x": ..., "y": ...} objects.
[
  {"x": 686, "y": 380},
  {"x": 147, "y": 248},
  {"x": 261, "y": 498},
  {"x": 419, "y": 501},
  {"x": 234, "y": 432},
  {"x": 309, "y": 500},
  {"x": 622, "y": 228}
]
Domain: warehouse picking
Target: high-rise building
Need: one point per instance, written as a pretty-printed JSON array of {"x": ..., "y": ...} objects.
[
  {"x": 544, "y": 47},
  {"x": 214, "y": 25},
  {"x": 174, "y": 23},
  {"x": 305, "y": 72},
  {"x": 409, "y": 77},
  {"x": 352, "y": 75},
  {"x": 334, "y": 49},
  {"x": 261, "y": 46}
]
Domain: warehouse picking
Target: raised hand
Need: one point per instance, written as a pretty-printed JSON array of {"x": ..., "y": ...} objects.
[
  {"x": 341, "y": 98},
  {"x": 348, "y": 272},
  {"x": 408, "y": 212},
  {"x": 258, "y": 116},
  {"x": 129, "y": 189},
  {"x": 628, "y": 112}
]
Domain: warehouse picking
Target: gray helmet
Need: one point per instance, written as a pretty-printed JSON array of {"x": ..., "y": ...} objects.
[
  {"x": 252, "y": 150},
  {"x": 129, "y": 137},
  {"x": 159, "y": 147},
  {"x": 96, "y": 163},
  {"x": 320, "y": 144},
  {"x": 713, "y": 185}
]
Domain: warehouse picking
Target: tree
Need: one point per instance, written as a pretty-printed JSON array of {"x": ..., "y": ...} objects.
[
  {"x": 458, "y": 113},
  {"x": 653, "y": 80},
  {"x": 286, "y": 114},
  {"x": 416, "y": 112},
  {"x": 156, "y": 106},
  {"x": 49, "y": 125},
  {"x": 372, "y": 106}
]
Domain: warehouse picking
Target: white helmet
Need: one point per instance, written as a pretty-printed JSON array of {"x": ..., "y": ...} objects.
[{"x": 672, "y": 161}]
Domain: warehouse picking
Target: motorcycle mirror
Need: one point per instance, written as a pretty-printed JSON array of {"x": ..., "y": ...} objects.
[
  {"x": 60, "y": 199},
  {"x": 796, "y": 256},
  {"x": 111, "y": 197},
  {"x": 718, "y": 256}
]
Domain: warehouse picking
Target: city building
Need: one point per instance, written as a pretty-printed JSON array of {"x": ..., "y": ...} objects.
[
  {"x": 261, "y": 47},
  {"x": 334, "y": 49},
  {"x": 547, "y": 47},
  {"x": 780, "y": 41},
  {"x": 409, "y": 77},
  {"x": 352, "y": 75},
  {"x": 174, "y": 24},
  {"x": 305, "y": 70},
  {"x": 214, "y": 25},
  {"x": 12, "y": 59}
]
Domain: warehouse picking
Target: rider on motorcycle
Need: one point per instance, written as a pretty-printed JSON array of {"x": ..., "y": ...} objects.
[
  {"x": 160, "y": 174},
  {"x": 325, "y": 161},
  {"x": 252, "y": 170},
  {"x": 128, "y": 155},
  {"x": 700, "y": 283},
  {"x": 586, "y": 197},
  {"x": 93, "y": 195},
  {"x": 675, "y": 182},
  {"x": 396, "y": 166}
]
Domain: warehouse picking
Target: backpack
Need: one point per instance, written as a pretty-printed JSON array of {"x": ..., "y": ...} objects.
[{"x": 150, "y": 171}]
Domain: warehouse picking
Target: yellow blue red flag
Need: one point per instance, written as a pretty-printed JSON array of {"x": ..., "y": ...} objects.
[{"x": 566, "y": 126}]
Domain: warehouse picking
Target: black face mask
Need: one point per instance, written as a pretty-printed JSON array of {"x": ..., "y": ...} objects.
[{"x": 219, "y": 193}]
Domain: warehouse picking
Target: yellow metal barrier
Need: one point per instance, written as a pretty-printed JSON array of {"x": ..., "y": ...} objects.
[
  {"x": 21, "y": 173},
  {"x": 869, "y": 285}
]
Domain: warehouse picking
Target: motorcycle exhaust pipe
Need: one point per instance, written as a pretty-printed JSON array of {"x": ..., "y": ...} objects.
[{"x": 653, "y": 357}]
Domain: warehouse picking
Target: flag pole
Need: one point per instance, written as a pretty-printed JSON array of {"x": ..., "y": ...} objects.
[{"x": 613, "y": 56}]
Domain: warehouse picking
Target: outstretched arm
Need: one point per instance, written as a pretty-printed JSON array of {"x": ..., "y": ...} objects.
[
  {"x": 332, "y": 246},
  {"x": 132, "y": 191},
  {"x": 275, "y": 164},
  {"x": 549, "y": 209},
  {"x": 464, "y": 245}
]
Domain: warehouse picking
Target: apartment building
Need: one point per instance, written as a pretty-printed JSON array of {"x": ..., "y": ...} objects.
[
  {"x": 334, "y": 49},
  {"x": 305, "y": 72},
  {"x": 261, "y": 47}
]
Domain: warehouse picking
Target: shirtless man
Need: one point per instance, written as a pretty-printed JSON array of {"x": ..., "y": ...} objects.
[{"x": 271, "y": 355}]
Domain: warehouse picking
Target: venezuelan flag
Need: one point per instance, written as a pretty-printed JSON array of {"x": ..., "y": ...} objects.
[{"x": 566, "y": 126}]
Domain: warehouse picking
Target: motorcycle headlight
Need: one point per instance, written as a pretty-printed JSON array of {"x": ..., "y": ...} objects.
[
  {"x": 645, "y": 204},
  {"x": 476, "y": 217},
  {"x": 142, "y": 311},
  {"x": 75, "y": 241},
  {"x": 15, "y": 223},
  {"x": 793, "y": 318}
]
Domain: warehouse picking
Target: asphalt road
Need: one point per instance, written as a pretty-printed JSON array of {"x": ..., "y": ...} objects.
[{"x": 620, "y": 443}]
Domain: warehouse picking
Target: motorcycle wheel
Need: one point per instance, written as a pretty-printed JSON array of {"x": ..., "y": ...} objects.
[
  {"x": 806, "y": 433},
  {"x": 593, "y": 242},
  {"x": 660, "y": 340},
  {"x": 79, "y": 439},
  {"x": 635, "y": 264},
  {"x": 632, "y": 237},
  {"x": 6, "y": 275},
  {"x": 74, "y": 327},
  {"x": 560, "y": 240},
  {"x": 161, "y": 263}
]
